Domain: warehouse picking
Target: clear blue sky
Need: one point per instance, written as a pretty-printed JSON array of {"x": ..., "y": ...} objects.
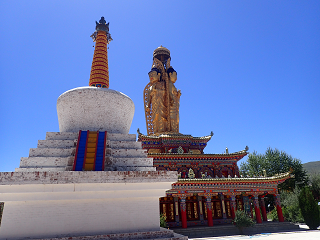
[{"x": 248, "y": 70}]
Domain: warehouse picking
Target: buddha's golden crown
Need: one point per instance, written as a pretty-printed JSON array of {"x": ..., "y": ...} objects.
[{"x": 161, "y": 51}]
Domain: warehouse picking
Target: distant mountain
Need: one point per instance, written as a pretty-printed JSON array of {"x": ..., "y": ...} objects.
[{"x": 312, "y": 167}]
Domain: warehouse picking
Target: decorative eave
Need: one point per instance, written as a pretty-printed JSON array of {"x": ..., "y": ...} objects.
[
  {"x": 174, "y": 136},
  {"x": 277, "y": 178},
  {"x": 239, "y": 154}
]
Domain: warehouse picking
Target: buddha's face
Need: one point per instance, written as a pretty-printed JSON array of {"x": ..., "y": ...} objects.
[
  {"x": 154, "y": 76},
  {"x": 173, "y": 76}
]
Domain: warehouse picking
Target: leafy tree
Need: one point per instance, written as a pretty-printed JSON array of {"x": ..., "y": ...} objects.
[
  {"x": 290, "y": 206},
  {"x": 315, "y": 185},
  {"x": 309, "y": 208},
  {"x": 275, "y": 162}
]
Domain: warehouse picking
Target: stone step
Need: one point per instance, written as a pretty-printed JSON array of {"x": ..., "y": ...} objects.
[
  {"x": 57, "y": 143},
  {"x": 124, "y": 144},
  {"x": 125, "y": 168},
  {"x": 62, "y": 135},
  {"x": 130, "y": 162},
  {"x": 223, "y": 230},
  {"x": 163, "y": 234},
  {"x": 46, "y": 161},
  {"x": 128, "y": 153},
  {"x": 41, "y": 169},
  {"x": 121, "y": 137},
  {"x": 52, "y": 152}
]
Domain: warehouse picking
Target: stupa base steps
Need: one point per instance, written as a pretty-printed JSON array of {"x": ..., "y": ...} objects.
[
  {"x": 50, "y": 162},
  {"x": 57, "y": 153}
]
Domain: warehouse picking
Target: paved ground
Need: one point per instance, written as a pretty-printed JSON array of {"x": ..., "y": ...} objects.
[{"x": 298, "y": 235}]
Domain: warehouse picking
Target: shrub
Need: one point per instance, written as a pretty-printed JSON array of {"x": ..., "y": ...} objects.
[
  {"x": 290, "y": 202},
  {"x": 163, "y": 222},
  {"x": 242, "y": 220},
  {"x": 309, "y": 208},
  {"x": 273, "y": 215}
]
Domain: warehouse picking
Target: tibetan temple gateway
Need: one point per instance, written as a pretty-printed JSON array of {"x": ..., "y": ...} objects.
[{"x": 210, "y": 188}]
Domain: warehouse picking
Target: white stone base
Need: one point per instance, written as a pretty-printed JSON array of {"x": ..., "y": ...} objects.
[
  {"x": 57, "y": 153},
  {"x": 62, "y": 204}
]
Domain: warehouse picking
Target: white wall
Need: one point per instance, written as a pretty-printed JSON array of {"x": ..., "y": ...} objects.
[{"x": 50, "y": 210}]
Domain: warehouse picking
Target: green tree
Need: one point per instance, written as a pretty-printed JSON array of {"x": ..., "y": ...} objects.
[
  {"x": 275, "y": 162},
  {"x": 315, "y": 185},
  {"x": 309, "y": 208},
  {"x": 290, "y": 206}
]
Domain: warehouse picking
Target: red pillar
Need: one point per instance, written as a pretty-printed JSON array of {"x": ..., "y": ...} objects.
[
  {"x": 183, "y": 210},
  {"x": 279, "y": 209},
  {"x": 263, "y": 209},
  {"x": 257, "y": 209},
  {"x": 233, "y": 207},
  {"x": 209, "y": 211}
]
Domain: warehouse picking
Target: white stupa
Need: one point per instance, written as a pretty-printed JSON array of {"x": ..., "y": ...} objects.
[{"x": 91, "y": 180}]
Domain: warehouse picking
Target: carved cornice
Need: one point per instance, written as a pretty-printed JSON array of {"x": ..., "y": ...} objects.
[{"x": 277, "y": 178}]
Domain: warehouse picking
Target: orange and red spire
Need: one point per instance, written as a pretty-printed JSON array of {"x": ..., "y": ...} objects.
[{"x": 99, "y": 76}]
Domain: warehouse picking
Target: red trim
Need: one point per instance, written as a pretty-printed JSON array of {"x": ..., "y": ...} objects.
[
  {"x": 96, "y": 78},
  {"x": 104, "y": 149},
  {"x": 258, "y": 215},
  {"x": 280, "y": 215},
  {"x": 264, "y": 213},
  {"x": 75, "y": 157},
  {"x": 98, "y": 83},
  {"x": 85, "y": 152},
  {"x": 95, "y": 153},
  {"x": 184, "y": 218},
  {"x": 98, "y": 49},
  {"x": 233, "y": 210},
  {"x": 209, "y": 217},
  {"x": 104, "y": 74}
]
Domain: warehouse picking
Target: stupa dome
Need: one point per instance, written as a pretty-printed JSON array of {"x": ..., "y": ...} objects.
[{"x": 94, "y": 109}]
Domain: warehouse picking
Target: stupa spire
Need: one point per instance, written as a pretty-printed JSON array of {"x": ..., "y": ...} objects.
[{"x": 99, "y": 76}]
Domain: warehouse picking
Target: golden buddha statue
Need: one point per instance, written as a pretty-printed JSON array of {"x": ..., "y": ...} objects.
[
  {"x": 174, "y": 101},
  {"x": 156, "y": 102},
  {"x": 161, "y": 98}
]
